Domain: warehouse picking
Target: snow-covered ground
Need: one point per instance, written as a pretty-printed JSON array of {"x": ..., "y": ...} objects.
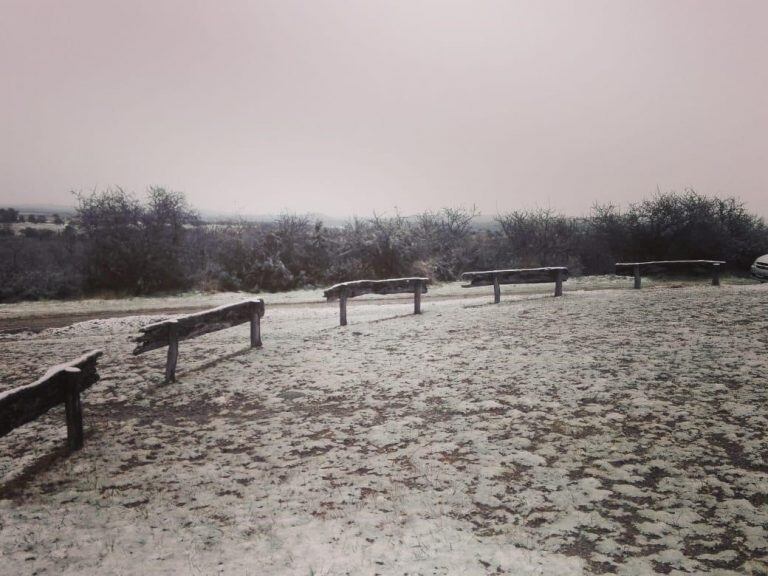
[
  {"x": 297, "y": 297},
  {"x": 608, "y": 431}
]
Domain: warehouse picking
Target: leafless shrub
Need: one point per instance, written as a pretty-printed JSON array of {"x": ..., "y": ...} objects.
[{"x": 117, "y": 243}]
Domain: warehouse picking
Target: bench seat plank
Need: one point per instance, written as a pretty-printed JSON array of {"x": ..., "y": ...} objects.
[
  {"x": 515, "y": 276},
  {"x": 157, "y": 335},
  {"x": 26, "y": 403},
  {"x": 388, "y": 286},
  {"x": 681, "y": 267}
]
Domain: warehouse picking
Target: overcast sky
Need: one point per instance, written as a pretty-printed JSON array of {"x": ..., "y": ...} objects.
[{"x": 343, "y": 107}]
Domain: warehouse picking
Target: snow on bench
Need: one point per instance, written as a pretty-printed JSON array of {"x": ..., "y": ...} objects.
[
  {"x": 354, "y": 288},
  {"x": 61, "y": 384},
  {"x": 670, "y": 267},
  {"x": 170, "y": 332},
  {"x": 556, "y": 274}
]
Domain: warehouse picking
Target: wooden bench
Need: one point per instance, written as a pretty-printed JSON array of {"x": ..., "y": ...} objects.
[
  {"x": 170, "y": 332},
  {"x": 61, "y": 384},
  {"x": 495, "y": 278},
  {"x": 345, "y": 290},
  {"x": 671, "y": 267}
]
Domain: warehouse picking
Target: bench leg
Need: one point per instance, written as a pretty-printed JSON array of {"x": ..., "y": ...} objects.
[
  {"x": 73, "y": 408},
  {"x": 716, "y": 275},
  {"x": 255, "y": 328},
  {"x": 496, "y": 290},
  {"x": 343, "y": 309},
  {"x": 417, "y": 298},
  {"x": 637, "y": 277},
  {"x": 559, "y": 283},
  {"x": 173, "y": 355}
]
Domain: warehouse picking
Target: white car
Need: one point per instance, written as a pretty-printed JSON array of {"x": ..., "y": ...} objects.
[{"x": 760, "y": 268}]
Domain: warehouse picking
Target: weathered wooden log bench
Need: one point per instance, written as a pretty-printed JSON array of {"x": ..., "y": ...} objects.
[
  {"x": 345, "y": 290},
  {"x": 61, "y": 384},
  {"x": 495, "y": 278},
  {"x": 170, "y": 332},
  {"x": 671, "y": 268}
]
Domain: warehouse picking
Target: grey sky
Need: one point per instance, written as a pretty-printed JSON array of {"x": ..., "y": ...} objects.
[{"x": 345, "y": 107}]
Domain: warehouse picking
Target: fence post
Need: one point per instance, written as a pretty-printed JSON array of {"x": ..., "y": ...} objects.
[
  {"x": 716, "y": 275},
  {"x": 255, "y": 325},
  {"x": 73, "y": 407},
  {"x": 343, "y": 306},
  {"x": 173, "y": 352},
  {"x": 558, "y": 283},
  {"x": 417, "y": 298},
  {"x": 637, "y": 277},
  {"x": 496, "y": 289}
]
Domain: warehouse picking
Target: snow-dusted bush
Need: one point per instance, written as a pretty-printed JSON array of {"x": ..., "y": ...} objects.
[{"x": 121, "y": 245}]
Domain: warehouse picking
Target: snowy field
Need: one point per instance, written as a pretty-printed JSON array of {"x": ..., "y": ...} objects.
[
  {"x": 95, "y": 306},
  {"x": 608, "y": 431}
]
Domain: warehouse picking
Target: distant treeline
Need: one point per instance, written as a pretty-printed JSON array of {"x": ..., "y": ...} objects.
[
  {"x": 11, "y": 216},
  {"x": 117, "y": 244}
]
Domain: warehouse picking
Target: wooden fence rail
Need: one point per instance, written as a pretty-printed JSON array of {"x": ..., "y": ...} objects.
[
  {"x": 670, "y": 267},
  {"x": 170, "y": 332},
  {"x": 62, "y": 384},
  {"x": 495, "y": 278},
  {"x": 345, "y": 290}
]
